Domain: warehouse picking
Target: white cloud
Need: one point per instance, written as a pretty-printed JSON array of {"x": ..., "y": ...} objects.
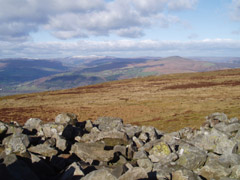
[
  {"x": 82, "y": 18},
  {"x": 206, "y": 47}
]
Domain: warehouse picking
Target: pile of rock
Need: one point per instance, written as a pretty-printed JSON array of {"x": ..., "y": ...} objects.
[{"x": 106, "y": 149}]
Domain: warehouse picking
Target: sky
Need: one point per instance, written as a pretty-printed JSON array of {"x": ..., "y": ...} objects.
[{"x": 122, "y": 28}]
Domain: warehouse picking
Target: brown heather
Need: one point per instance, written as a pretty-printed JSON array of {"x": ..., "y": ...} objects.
[{"x": 167, "y": 102}]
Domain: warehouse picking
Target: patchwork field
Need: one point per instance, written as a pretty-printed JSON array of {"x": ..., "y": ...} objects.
[{"x": 168, "y": 102}]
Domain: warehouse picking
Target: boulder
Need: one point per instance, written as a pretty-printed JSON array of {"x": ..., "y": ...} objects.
[
  {"x": 235, "y": 171},
  {"x": 146, "y": 164},
  {"x": 191, "y": 157},
  {"x": 184, "y": 174},
  {"x": 73, "y": 170},
  {"x": 89, "y": 152},
  {"x": 213, "y": 169},
  {"x": 216, "y": 118},
  {"x": 160, "y": 151},
  {"x": 61, "y": 143},
  {"x": 33, "y": 123},
  {"x": 134, "y": 174},
  {"x": 215, "y": 141},
  {"x": 88, "y": 125},
  {"x": 100, "y": 174},
  {"x": 131, "y": 130},
  {"x": 109, "y": 123},
  {"x": 150, "y": 131},
  {"x": 44, "y": 150},
  {"x": 137, "y": 141},
  {"x": 16, "y": 143},
  {"x": 66, "y": 118},
  {"x": 3, "y": 128},
  {"x": 50, "y": 129},
  {"x": 140, "y": 155}
]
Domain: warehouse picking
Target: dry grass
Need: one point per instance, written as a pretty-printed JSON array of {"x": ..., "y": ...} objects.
[{"x": 168, "y": 102}]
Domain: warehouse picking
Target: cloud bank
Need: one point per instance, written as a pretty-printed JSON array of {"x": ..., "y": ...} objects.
[
  {"x": 84, "y": 18},
  {"x": 123, "y": 48}
]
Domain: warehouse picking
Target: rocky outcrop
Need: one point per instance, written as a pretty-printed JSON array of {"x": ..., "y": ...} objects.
[{"x": 108, "y": 149}]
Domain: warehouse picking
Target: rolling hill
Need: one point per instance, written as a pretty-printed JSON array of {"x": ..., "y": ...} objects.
[
  {"x": 168, "y": 102},
  {"x": 25, "y": 75}
]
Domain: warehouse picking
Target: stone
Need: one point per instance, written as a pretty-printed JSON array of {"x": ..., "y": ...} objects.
[
  {"x": 216, "y": 118},
  {"x": 186, "y": 133},
  {"x": 66, "y": 118},
  {"x": 109, "y": 123},
  {"x": 172, "y": 157},
  {"x": 3, "y": 128},
  {"x": 119, "y": 170},
  {"x": 33, "y": 123},
  {"x": 16, "y": 143},
  {"x": 151, "y": 131},
  {"x": 72, "y": 171},
  {"x": 191, "y": 157},
  {"x": 229, "y": 160},
  {"x": 146, "y": 164},
  {"x": 132, "y": 130},
  {"x": 137, "y": 141},
  {"x": 100, "y": 174},
  {"x": 159, "y": 151},
  {"x": 92, "y": 151},
  {"x": 13, "y": 129},
  {"x": 215, "y": 141},
  {"x": 227, "y": 128},
  {"x": 184, "y": 174},
  {"x": 140, "y": 155},
  {"x": 134, "y": 174},
  {"x": 111, "y": 137},
  {"x": 61, "y": 143},
  {"x": 88, "y": 125},
  {"x": 44, "y": 150},
  {"x": 121, "y": 149},
  {"x": 213, "y": 169},
  {"x": 235, "y": 171},
  {"x": 50, "y": 129},
  {"x": 144, "y": 137}
]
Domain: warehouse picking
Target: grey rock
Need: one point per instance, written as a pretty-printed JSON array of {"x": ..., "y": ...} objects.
[
  {"x": 228, "y": 128},
  {"x": 88, "y": 125},
  {"x": 229, "y": 160},
  {"x": 13, "y": 129},
  {"x": 146, "y": 164},
  {"x": 33, "y": 123},
  {"x": 50, "y": 129},
  {"x": 143, "y": 137},
  {"x": 159, "y": 151},
  {"x": 215, "y": 141},
  {"x": 100, "y": 174},
  {"x": 186, "y": 133},
  {"x": 140, "y": 155},
  {"x": 172, "y": 157},
  {"x": 216, "y": 118},
  {"x": 213, "y": 169},
  {"x": 16, "y": 143},
  {"x": 134, "y": 174},
  {"x": 44, "y": 150},
  {"x": 92, "y": 151},
  {"x": 112, "y": 137},
  {"x": 119, "y": 170},
  {"x": 121, "y": 149},
  {"x": 66, "y": 118},
  {"x": 191, "y": 157},
  {"x": 109, "y": 123},
  {"x": 61, "y": 143},
  {"x": 3, "y": 128},
  {"x": 137, "y": 141},
  {"x": 235, "y": 171},
  {"x": 131, "y": 130},
  {"x": 151, "y": 131},
  {"x": 184, "y": 174},
  {"x": 73, "y": 169}
]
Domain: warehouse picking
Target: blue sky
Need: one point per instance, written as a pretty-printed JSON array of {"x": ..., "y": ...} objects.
[{"x": 123, "y": 28}]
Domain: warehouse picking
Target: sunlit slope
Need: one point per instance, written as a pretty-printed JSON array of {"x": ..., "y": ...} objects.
[{"x": 168, "y": 102}]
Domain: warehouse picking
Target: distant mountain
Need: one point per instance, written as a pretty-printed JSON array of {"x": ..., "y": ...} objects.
[{"x": 27, "y": 75}]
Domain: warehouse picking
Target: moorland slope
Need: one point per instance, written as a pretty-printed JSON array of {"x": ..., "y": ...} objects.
[{"x": 167, "y": 102}]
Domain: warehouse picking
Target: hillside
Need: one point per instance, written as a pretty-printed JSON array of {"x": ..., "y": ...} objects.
[
  {"x": 25, "y": 75},
  {"x": 168, "y": 102}
]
